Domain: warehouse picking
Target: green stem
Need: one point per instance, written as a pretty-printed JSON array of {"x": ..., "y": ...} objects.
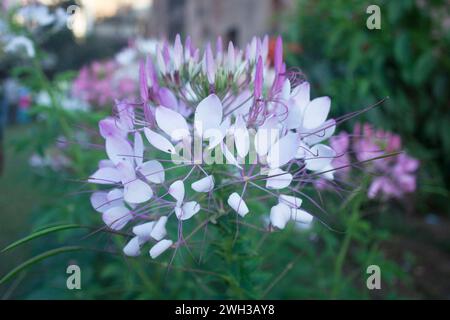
[{"x": 352, "y": 223}]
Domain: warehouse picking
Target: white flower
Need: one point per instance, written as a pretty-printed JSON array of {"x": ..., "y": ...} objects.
[
  {"x": 288, "y": 209},
  {"x": 183, "y": 211},
  {"x": 19, "y": 43}
]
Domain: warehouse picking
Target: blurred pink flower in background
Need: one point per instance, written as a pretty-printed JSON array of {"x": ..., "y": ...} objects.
[
  {"x": 100, "y": 84},
  {"x": 340, "y": 144},
  {"x": 395, "y": 175},
  {"x": 24, "y": 101}
]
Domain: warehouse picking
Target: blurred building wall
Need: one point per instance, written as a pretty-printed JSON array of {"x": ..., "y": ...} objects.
[{"x": 203, "y": 20}]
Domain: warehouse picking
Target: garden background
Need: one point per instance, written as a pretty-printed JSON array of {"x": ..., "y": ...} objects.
[{"x": 407, "y": 60}]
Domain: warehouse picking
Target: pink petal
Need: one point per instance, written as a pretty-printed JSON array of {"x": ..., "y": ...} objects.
[{"x": 167, "y": 98}]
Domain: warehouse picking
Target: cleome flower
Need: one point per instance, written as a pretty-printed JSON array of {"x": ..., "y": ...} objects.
[
  {"x": 210, "y": 130},
  {"x": 393, "y": 177}
]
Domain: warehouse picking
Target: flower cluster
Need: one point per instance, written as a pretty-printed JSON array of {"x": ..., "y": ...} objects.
[
  {"x": 100, "y": 83},
  {"x": 32, "y": 20},
  {"x": 394, "y": 176},
  {"x": 211, "y": 130}
]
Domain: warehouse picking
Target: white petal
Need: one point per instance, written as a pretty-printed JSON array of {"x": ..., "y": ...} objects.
[
  {"x": 283, "y": 151},
  {"x": 204, "y": 185},
  {"x": 127, "y": 172},
  {"x": 266, "y": 136},
  {"x": 302, "y": 151},
  {"x": 160, "y": 247},
  {"x": 241, "y": 104},
  {"x": 115, "y": 195},
  {"x": 280, "y": 215},
  {"x": 172, "y": 123},
  {"x": 302, "y": 216},
  {"x": 286, "y": 90},
  {"x": 301, "y": 95},
  {"x": 110, "y": 128},
  {"x": 116, "y": 218},
  {"x": 105, "y": 163},
  {"x": 159, "y": 230},
  {"x": 118, "y": 149},
  {"x": 328, "y": 172},
  {"x": 316, "y": 112},
  {"x": 237, "y": 203},
  {"x": 279, "y": 179},
  {"x": 143, "y": 231},
  {"x": 215, "y": 136},
  {"x": 208, "y": 113},
  {"x": 158, "y": 141},
  {"x": 133, "y": 248},
  {"x": 137, "y": 191},
  {"x": 319, "y": 157},
  {"x": 101, "y": 201},
  {"x": 325, "y": 131},
  {"x": 241, "y": 137},
  {"x": 176, "y": 190},
  {"x": 229, "y": 156},
  {"x": 138, "y": 149},
  {"x": 106, "y": 175},
  {"x": 293, "y": 119},
  {"x": 153, "y": 171},
  {"x": 291, "y": 201},
  {"x": 187, "y": 210}
]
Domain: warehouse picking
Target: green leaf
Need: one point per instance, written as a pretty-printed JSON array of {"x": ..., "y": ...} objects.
[
  {"x": 41, "y": 233},
  {"x": 37, "y": 259}
]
